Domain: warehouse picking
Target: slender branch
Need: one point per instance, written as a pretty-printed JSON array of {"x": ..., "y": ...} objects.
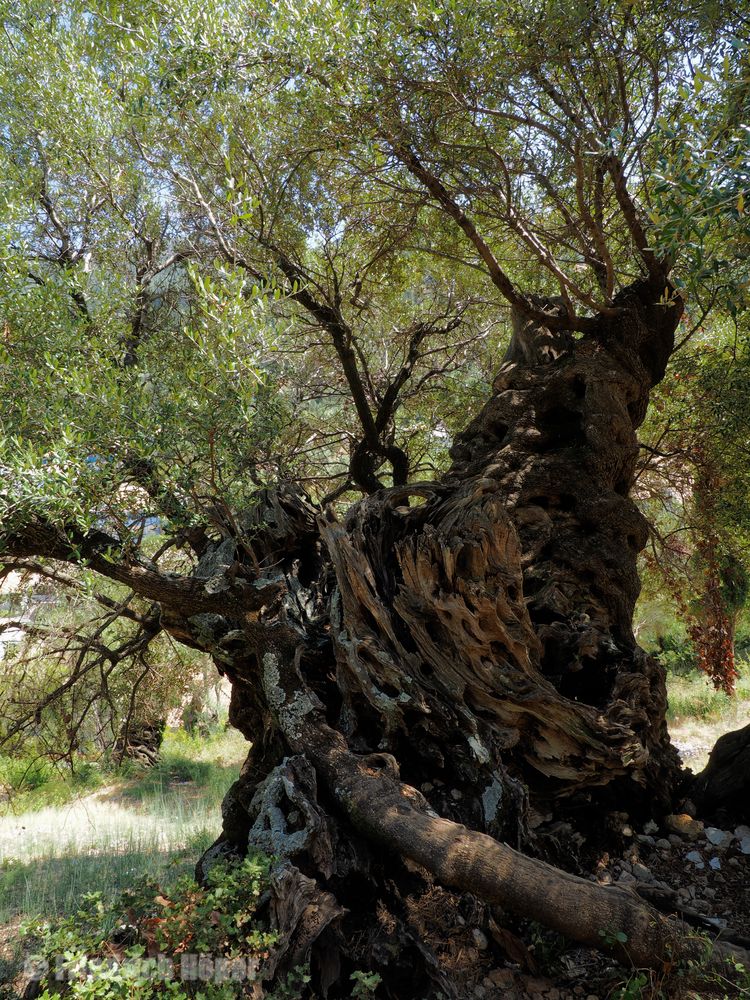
[
  {"x": 657, "y": 269},
  {"x": 499, "y": 278}
]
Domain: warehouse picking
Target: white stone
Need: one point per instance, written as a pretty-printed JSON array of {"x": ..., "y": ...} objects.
[
  {"x": 719, "y": 838},
  {"x": 480, "y": 939}
]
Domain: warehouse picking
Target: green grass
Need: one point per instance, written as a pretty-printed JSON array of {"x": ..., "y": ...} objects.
[
  {"x": 145, "y": 823},
  {"x": 30, "y": 784},
  {"x": 54, "y": 886},
  {"x": 694, "y": 697}
]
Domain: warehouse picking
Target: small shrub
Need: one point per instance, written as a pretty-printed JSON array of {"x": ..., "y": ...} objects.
[
  {"x": 183, "y": 942},
  {"x": 365, "y": 984}
]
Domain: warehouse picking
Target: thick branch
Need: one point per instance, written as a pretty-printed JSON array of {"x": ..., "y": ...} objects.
[
  {"x": 96, "y": 549},
  {"x": 499, "y": 278}
]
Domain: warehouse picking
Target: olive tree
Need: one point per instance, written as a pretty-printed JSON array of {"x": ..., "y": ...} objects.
[{"x": 259, "y": 261}]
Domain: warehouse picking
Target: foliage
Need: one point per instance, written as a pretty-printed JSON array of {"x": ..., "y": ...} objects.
[
  {"x": 101, "y": 957},
  {"x": 364, "y": 984},
  {"x": 696, "y": 484},
  {"x": 702, "y": 176},
  {"x": 233, "y": 255}
]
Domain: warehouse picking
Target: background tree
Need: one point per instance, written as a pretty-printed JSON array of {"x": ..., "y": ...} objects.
[
  {"x": 693, "y": 484},
  {"x": 252, "y": 282}
]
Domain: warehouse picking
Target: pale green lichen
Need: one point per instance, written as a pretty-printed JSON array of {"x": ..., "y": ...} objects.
[
  {"x": 290, "y": 714},
  {"x": 479, "y": 750},
  {"x": 491, "y": 799},
  {"x": 272, "y": 682}
]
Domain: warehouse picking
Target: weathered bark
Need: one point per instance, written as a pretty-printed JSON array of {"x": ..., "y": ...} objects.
[{"x": 443, "y": 668}]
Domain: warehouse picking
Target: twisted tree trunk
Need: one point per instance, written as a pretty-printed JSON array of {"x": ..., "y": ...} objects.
[
  {"x": 451, "y": 661},
  {"x": 434, "y": 677}
]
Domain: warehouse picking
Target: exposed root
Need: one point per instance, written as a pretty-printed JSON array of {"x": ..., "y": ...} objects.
[{"x": 395, "y": 815}]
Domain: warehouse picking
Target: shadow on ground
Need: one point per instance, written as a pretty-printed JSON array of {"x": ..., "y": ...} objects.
[{"x": 46, "y": 887}]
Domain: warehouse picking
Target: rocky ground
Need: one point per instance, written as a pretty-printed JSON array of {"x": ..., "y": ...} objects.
[{"x": 696, "y": 872}]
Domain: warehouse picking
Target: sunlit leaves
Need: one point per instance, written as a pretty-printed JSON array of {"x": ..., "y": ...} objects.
[{"x": 702, "y": 179}]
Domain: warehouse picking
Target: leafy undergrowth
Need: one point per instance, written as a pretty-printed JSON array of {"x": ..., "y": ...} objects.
[{"x": 166, "y": 939}]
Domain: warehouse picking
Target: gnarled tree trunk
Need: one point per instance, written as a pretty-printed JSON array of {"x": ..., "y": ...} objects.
[
  {"x": 428, "y": 680},
  {"x": 452, "y": 660}
]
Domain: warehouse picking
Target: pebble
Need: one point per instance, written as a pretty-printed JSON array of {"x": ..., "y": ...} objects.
[
  {"x": 715, "y": 864},
  {"x": 642, "y": 873},
  {"x": 684, "y": 825},
  {"x": 627, "y": 831},
  {"x": 645, "y": 838},
  {"x": 663, "y": 844},
  {"x": 674, "y": 840},
  {"x": 625, "y": 878},
  {"x": 734, "y": 862},
  {"x": 745, "y": 845},
  {"x": 650, "y": 827},
  {"x": 742, "y": 831},
  {"x": 719, "y": 838},
  {"x": 480, "y": 939},
  {"x": 456, "y": 794},
  {"x": 695, "y": 858}
]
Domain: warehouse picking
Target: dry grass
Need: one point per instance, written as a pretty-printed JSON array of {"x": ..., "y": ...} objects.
[
  {"x": 698, "y": 715},
  {"x": 104, "y": 840}
]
